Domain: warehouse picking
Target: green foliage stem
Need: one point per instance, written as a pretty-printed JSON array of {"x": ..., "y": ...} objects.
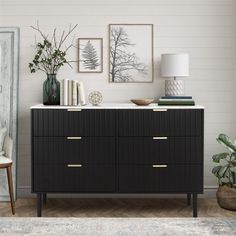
[
  {"x": 50, "y": 56},
  {"x": 226, "y": 170}
]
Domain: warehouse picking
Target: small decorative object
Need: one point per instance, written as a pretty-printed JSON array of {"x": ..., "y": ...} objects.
[
  {"x": 143, "y": 101},
  {"x": 90, "y": 55},
  {"x": 50, "y": 57},
  {"x": 131, "y": 53},
  {"x": 95, "y": 98},
  {"x": 226, "y": 173},
  {"x": 174, "y": 65}
]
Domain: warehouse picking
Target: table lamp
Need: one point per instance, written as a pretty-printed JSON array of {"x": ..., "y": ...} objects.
[{"x": 174, "y": 65}]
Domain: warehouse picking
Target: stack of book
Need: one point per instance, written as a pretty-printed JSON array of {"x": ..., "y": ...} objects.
[
  {"x": 176, "y": 101},
  {"x": 71, "y": 93}
]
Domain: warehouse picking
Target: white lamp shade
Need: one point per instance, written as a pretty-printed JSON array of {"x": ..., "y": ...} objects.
[{"x": 174, "y": 65}]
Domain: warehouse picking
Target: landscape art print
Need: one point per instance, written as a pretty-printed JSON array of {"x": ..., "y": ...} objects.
[
  {"x": 130, "y": 53},
  {"x": 90, "y": 55}
]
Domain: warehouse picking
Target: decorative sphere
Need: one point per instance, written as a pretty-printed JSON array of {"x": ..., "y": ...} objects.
[{"x": 95, "y": 98}]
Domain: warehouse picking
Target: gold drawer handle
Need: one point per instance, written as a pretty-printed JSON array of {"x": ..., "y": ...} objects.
[
  {"x": 74, "y": 165},
  {"x": 159, "y": 109},
  {"x": 74, "y": 109},
  {"x": 74, "y": 138},
  {"x": 160, "y": 138},
  {"x": 159, "y": 166}
]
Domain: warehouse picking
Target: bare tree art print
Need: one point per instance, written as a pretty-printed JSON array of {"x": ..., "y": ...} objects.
[
  {"x": 131, "y": 58},
  {"x": 90, "y": 55}
]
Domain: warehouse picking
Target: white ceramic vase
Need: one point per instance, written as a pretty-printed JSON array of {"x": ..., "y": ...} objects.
[{"x": 174, "y": 87}]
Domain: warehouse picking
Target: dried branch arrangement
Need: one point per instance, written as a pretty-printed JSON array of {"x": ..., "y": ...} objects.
[{"x": 51, "y": 54}]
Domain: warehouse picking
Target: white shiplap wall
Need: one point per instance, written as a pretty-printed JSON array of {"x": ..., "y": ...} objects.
[{"x": 206, "y": 29}]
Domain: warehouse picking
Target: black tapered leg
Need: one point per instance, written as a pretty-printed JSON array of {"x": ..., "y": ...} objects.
[
  {"x": 189, "y": 199},
  {"x": 44, "y": 198},
  {"x": 194, "y": 204},
  {"x": 39, "y": 204}
]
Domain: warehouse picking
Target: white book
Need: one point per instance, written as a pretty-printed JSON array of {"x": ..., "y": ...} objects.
[
  {"x": 70, "y": 92},
  {"x": 74, "y": 93},
  {"x": 82, "y": 98},
  {"x": 65, "y": 93},
  {"x": 62, "y": 92}
]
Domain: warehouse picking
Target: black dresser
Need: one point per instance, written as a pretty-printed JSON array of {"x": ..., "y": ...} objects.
[{"x": 117, "y": 149}]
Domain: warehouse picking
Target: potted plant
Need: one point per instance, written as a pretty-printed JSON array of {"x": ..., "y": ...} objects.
[
  {"x": 226, "y": 173},
  {"x": 50, "y": 56}
]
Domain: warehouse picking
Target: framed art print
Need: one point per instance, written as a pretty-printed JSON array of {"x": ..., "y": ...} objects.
[
  {"x": 130, "y": 53},
  {"x": 90, "y": 55},
  {"x": 9, "y": 79}
]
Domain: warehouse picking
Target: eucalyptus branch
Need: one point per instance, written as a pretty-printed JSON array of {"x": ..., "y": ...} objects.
[
  {"x": 50, "y": 56},
  {"x": 37, "y": 29},
  {"x": 47, "y": 67},
  {"x": 54, "y": 38},
  {"x": 61, "y": 40},
  {"x": 69, "y": 65},
  {"x": 42, "y": 70},
  {"x": 72, "y": 61},
  {"x": 70, "y": 31},
  {"x": 68, "y": 48}
]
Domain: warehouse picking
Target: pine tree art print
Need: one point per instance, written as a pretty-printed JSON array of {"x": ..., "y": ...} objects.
[{"x": 90, "y": 55}]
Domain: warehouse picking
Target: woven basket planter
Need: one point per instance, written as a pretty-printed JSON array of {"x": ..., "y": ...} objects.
[{"x": 226, "y": 197}]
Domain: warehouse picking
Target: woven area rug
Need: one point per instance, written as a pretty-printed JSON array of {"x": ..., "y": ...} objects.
[{"x": 118, "y": 226}]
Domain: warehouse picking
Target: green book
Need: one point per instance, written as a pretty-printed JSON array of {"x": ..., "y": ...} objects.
[{"x": 173, "y": 103}]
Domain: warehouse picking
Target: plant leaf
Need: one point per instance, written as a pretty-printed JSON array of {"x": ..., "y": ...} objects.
[
  {"x": 233, "y": 162},
  {"x": 233, "y": 156},
  {"x": 232, "y": 177},
  {"x": 217, "y": 157},
  {"x": 235, "y": 142},
  {"x": 227, "y": 142},
  {"x": 224, "y": 171},
  {"x": 215, "y": 170}
]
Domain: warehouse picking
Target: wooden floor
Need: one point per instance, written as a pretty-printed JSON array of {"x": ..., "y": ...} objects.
[{"x": 116, "y": 208}]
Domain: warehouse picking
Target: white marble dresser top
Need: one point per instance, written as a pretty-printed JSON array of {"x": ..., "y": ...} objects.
[{"x": 116, "y": 106}]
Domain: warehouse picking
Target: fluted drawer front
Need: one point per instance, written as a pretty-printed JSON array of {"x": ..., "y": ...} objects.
[
  {"x": 162, "y": 122},
  {"x": 84, "y": 178},
  {"x": 60, "y": 150},
  {"x": 170, "y": 150},
  {"x": 63, "y": 122},
  {"x": 162, "y": 179}
]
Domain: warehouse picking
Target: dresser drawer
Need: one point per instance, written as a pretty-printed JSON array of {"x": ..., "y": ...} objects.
[
  {"x": 170, "y": 179},
  {"x": 160, "y": 122},
  {"x": 61, "y": 178},
  {"x": 69, "y": 150},
  {"x": 167, "y": 150},
  {"x": 73, "y": 122}
]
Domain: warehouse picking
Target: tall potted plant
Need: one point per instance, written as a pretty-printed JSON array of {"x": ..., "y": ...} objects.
[
  {"x": 50, "y": 56},
  {"x": 225, "y": 171}
]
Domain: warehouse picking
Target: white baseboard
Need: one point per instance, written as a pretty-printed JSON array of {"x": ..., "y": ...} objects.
[{"x": 25, "y": 192}]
